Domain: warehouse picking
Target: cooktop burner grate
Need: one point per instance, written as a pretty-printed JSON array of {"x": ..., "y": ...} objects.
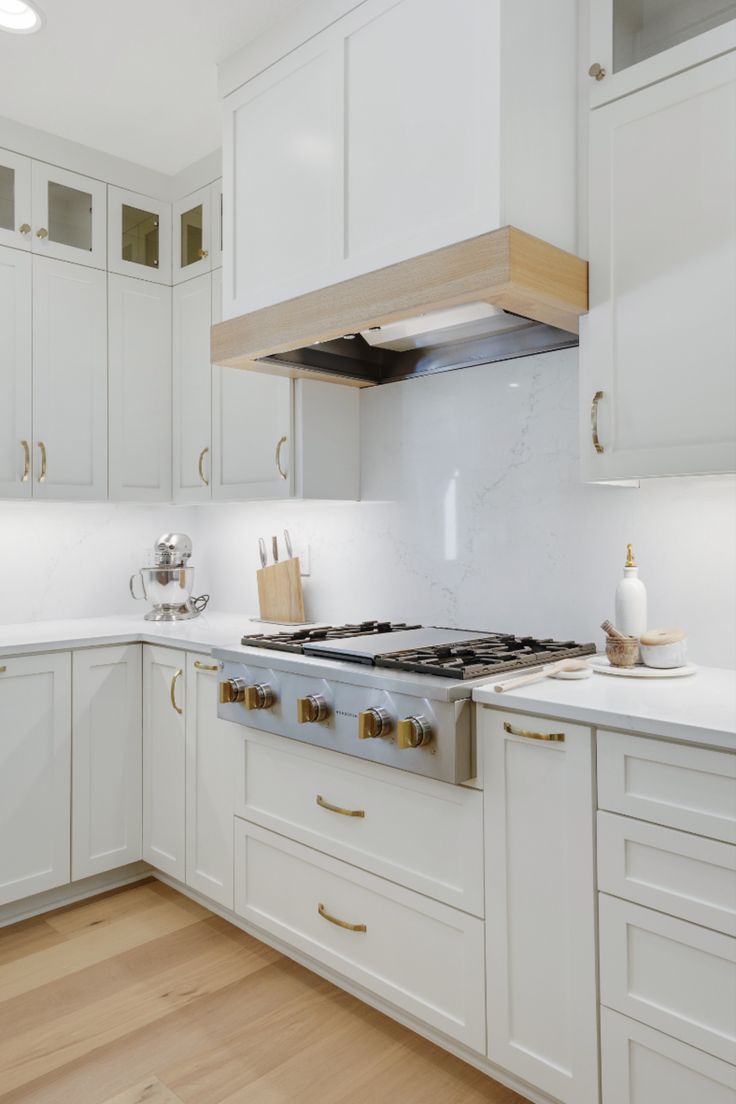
[
  {"x": 488, "y": 655},
  {"x": 294, "y": 640}
]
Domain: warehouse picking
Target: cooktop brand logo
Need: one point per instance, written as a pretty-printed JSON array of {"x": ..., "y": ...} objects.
[{"x": 344, "y": 713}]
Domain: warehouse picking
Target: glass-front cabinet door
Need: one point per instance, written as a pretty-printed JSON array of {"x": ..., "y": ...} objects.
[
  {"x": 636, "y": 42},
  {"x": 138, "y": 236},
  {"x": 192, "y": 235},
  {"x": 15, "y": 200},
  {"x": 69, "y": 216}
]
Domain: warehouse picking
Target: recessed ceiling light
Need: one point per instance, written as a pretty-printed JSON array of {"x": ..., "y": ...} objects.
[{"x": 19, "y": 17}]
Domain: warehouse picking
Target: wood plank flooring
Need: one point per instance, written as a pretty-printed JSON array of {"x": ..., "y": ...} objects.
[{"x": 141, "y": 996}]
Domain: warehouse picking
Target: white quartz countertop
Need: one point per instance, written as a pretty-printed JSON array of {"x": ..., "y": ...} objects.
[{"x": 700, "y": 708}]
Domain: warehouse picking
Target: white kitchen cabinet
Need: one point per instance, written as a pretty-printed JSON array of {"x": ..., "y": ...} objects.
[
  {"x": 139, "y": 371},
  {"x": 540, "y": 903},
  {"x": 15, "y": 200},
  {"x": 138, "y": 236},
  {"x": 164, "y": 760},
  {"x": 212, "y": 747},
  {"x": 216, "y": 228},
  {"x": 192, "y": 389},
  {"x": 35, "y": 755},
  {"x": 634, "y": 43},
  {"x": 15, "y": 374},
  {"x": 69, "y": 216},
  {"x": 193, "y": 225},
  {"x": 658, "y": 348},
  {"x": 106, "y": 759},
  {"x": 394, "y": 131},
  {"x": 69, "y": 381},
  {"x": 642, "y": 1066}
]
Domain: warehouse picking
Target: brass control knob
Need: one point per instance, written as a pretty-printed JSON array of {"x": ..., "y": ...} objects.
[
  {"x": 311, "y": 709},
  {"x": 232, "y": 690},
  {"x": 373, "y": 723},
  {"x": 413, "y": 732},
  {"x": 259, "y": 696}
]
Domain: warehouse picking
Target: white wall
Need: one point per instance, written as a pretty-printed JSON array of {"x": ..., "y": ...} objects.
[{"x": 474, "y": 517}]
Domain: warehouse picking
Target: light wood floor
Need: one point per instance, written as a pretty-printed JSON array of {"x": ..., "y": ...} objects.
[{"x": 143, "y": 997}]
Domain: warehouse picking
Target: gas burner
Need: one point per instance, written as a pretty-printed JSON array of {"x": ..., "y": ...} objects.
[
  {"x": 488, "y": 655},
  {"x": 295, "y": 640}
]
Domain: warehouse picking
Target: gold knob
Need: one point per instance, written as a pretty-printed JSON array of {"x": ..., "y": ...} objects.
[
  {"x": 311, "y": 709},
  {"x": 42, "y": 233},
  {"x": 24, "y": 228},
  {"x": 232, "y": 690},
  {"x": 259, "y": 696},
  {"x": 373, "y": 723},
  {"x": 596, "y": 71},
  {"x": 201, "y": 253},
  {"x": 413, "y": 732}
]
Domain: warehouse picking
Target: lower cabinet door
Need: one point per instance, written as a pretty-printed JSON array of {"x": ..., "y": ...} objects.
[
  {"x": 211, "y": 772},
  {"x": 643, "y": 1066},
  {"x": 540, "y": 902},
  {"x": 106, "y": 746},
  {"x": 164, "y": 758},
  {"x": 35, "y": 754},
  {"x": 421, "y": 956}
]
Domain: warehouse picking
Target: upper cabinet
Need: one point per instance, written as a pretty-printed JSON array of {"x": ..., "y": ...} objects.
[
  {"x": 193, "y": 235},
  {"x": 15, "y": 200},
  {"x": 634, "y": 43},
  {"x": 394, "y": 131},
  {"x": 69, "y": 216},
  {"x": 138, "y": 236},
  {"x": 658, "y": 348}
]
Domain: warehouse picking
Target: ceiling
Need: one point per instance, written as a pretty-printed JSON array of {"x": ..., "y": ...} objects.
[{"x": 135, "y": 78}]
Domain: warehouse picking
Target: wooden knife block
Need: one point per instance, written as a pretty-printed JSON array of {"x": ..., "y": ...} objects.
[{"x": 280, "y": 595}]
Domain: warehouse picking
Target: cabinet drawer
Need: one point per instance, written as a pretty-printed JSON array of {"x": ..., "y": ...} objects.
[
  {"x": 642, "y": 1066},
  {"x": 423, "y": 834},
  {"x": 423, "y": 957},
  {"x": 677, "y": 873},
  {"x": 674, "y": 784},
  {"x": 669, "y": 974}
]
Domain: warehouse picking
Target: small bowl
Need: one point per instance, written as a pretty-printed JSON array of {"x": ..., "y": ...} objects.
[{"x": 622, "y": 653}]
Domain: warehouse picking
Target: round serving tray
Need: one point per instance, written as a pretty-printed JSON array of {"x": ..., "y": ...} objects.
[{"x": 602, "y": 665}]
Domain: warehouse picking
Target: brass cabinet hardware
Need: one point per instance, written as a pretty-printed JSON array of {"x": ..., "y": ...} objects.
[
  {"x": 340, "y": 923},
  {"x": 336, "y": 808},
  {"x": 42, "y": 233},
  {"x": 596, "y": 71},
  {"x": 26, "y": 461},
  {"x": 200, "y": 466},
  {"x": 279, "y": 445},
  {"x": 3, "y": 670},
  {"x": 549, "y": 737},
  {"x": 24, "y": 228},
  {"x": 594, "y": 421},
  {"x": 177, "y": 675},
  {"x": 202, "y": 253},
  {"x": 206, "y": 666},
  {"x": 42, "y": 473}
]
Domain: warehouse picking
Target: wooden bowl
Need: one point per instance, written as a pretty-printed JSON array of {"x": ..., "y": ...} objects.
[{"x": 622, "y": 653}]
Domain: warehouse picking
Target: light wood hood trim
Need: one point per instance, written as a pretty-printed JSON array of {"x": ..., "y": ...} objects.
[{"x": 506, "y": 267}]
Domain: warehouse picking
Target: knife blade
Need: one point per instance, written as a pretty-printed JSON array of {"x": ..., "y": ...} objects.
[
  {"x": 275, "y": 549},
  {"x": 287, "y": 542},
  {"x": 262, "y": 551}
]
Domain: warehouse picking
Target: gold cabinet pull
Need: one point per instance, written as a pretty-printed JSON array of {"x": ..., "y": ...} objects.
[
  {"x": 206, "y": 666},
  {"x": 177, "y": 675},
  {"x": 202, "y": 253},
  {"x": 200, "y": 466},
  {"x": 549, "y": 737},
  {"x": 26, "y": 461},
  {"x": 594, "y": 421},
  {"x": 42, "y": 233},
  {"x": 336, "y": 808},
  {"x": 42, "y": 474},
  {"x": 340, "y": 923},
  {"x": 24, "y": 228},
  {"x": 279, "y": 445}
]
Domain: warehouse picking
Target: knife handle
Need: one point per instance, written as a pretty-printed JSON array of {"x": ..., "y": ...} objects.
[{"x": 275, "y": 549}]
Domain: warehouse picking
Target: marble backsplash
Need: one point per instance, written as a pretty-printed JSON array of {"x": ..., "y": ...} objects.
[{"x": 473, "y": 515}]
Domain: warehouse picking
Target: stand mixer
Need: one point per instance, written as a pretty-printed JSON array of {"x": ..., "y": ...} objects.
[{"x": 168, "y": 584}]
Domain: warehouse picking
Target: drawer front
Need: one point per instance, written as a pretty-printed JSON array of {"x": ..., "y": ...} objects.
[
  {"x": 677, "y": 873},
  {"x": 642, "y": 1066},
  {"x": 423, "y": 957},
  {"x": 425, "y": 835},
  {"x": 677, "y": 785},
  {"x": 671, "y": 975}
]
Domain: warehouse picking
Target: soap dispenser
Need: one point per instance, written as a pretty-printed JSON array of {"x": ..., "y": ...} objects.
[{"x": 631, "y": 599}]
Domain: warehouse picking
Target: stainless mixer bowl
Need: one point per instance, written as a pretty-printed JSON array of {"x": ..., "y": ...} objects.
[{"x": 168, "y": 589}]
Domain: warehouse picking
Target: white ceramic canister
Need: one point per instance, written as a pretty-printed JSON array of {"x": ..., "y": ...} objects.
[
  {"x": 631, "y": 599},
  {"x": 664, "y": 648}
]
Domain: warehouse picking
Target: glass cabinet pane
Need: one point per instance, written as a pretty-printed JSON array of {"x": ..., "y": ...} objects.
[
  {"x": 643, "y": 28},
  {"x": 70, "y": 216},
  {"x": 191, "y": 236},
  {"x": 7, "y": 197},
  {"x": 140, "y": 237}
]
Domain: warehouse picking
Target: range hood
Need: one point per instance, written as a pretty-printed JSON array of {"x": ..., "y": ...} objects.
[{"x": 500, "y": 295}]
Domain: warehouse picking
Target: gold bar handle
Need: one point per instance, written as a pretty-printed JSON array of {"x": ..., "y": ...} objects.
[
  {"x": 26, "y": 461},
  {"x": 279, "y": 445},
  {"x": 42, "y": 475},
  {"x": 177, "y": 675},
  {"x": 200, "y": 467},
  {"x": 336, "y": 808},
  {"x": 550, "y": 737},
  {"x": 594, "y": 422},
  {"x": 340, "y": 923},
  {"x": 206, "y": 666}
]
